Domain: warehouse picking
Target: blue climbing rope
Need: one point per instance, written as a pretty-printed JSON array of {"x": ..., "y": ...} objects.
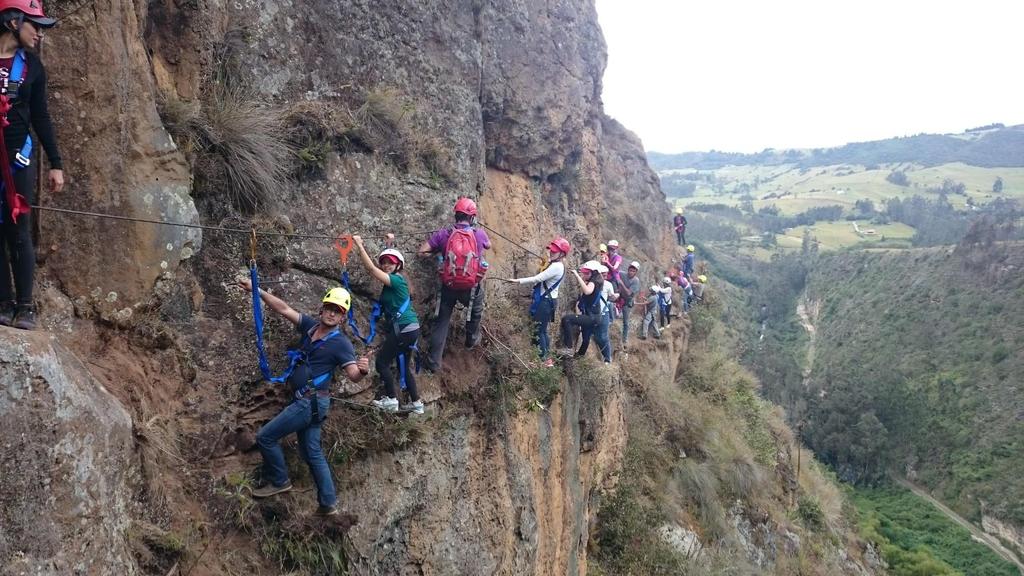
[
  {"x": 257, "y": 316},
  {"x": 375, "y": 313}
]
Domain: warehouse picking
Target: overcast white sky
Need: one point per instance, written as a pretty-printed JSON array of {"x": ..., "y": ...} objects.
[{"x": 744, "y": 75}]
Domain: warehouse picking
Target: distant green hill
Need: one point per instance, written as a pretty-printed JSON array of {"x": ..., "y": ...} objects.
[{"x": 990, "y": 146}]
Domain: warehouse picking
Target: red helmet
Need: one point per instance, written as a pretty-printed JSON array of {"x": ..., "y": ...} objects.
[
  {"x": 464, "y": 205},
  {"x": 560, "y": 245},
  {"x": 32, "y": 9}
]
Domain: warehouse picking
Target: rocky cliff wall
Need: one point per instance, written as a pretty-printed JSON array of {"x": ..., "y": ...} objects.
[
  {"x": 498, "y": 100},
  {"x": 66, "y": 464}
]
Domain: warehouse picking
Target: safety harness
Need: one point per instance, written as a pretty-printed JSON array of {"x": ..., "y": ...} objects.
[
  {"x": 294, "y": 356},
  {"x": 14, "y": 202},
  {"x": 375, "y": 314},
  {"x": 540, "y": 295}
]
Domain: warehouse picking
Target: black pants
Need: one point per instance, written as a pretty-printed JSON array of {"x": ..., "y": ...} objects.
[
  {"x": 681, "y": 237},
  {"x": 589, "y": 325},
  {"x": 472, "y": 298},
  {"x": 665, "y": 314},
  {"x": 394, "y": 345},
  {"x": 17, "y": 255}
]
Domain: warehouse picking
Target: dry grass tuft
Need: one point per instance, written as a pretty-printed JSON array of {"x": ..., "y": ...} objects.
[{"x": 238, "y": 146}]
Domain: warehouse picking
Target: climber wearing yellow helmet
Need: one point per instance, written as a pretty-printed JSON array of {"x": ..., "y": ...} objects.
[
  {"x": 698, "y": 287},
  {"x": 324, "y": 348}
]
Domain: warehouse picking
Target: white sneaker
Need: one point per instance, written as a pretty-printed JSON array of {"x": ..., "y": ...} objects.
[
  {"x": 413, "y": 407},
  {"x": 387, "y": 404}
]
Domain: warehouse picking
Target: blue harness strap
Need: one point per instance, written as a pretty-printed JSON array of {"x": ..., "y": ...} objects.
[
  {"x": 539, "y": 296},
  {"x": 375, "y": 314},
  {"x": 294, "y": 356},
  {"x": 23, "y": 157},
  {"x": 257, "y": 317}
]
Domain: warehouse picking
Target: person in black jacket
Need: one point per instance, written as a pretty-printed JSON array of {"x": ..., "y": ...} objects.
[{"x": 23, "y": 96}]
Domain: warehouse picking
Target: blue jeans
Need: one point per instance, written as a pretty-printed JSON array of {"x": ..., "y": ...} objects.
[
  {"x": 625, "y": 323},
  {"x": 544, "y": 315},
  {"x": 601, "y": 336},
  {"x": 297, "y": 417}
]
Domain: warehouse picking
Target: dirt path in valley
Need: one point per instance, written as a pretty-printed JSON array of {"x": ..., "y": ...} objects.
[{"x": 981, "y": 536}]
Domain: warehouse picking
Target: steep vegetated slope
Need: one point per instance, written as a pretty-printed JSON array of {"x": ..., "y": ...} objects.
[
  {"x": 713, "y": 481},
  {"x": 325, "y": 118},
  {"x": 918, "y": 371}
]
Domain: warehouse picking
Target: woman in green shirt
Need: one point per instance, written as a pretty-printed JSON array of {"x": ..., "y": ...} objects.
[{"x": 401, "y": 327}]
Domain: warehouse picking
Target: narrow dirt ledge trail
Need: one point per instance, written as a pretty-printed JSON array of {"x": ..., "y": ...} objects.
[{"x": 978, "y": 534}]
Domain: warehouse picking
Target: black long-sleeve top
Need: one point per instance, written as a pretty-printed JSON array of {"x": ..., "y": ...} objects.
[{"x": 31, "y": 105}]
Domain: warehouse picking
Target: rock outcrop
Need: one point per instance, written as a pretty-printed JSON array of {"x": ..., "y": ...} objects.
[{"x": 66, "y": 464}]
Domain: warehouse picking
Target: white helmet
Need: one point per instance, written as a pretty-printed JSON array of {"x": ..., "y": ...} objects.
[
  {"x": 395, "y": 254},
  {"x": 613, "y": 243},
  {"x": 635, "y": 264},
  {"x": 592, "y": 265},
  {"x": 602, "y": 268},
  {"x": 666, "y": 281}
]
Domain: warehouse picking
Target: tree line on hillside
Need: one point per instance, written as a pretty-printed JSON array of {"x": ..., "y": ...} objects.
[
  {"x": 998, "y": 147},
  {"x": 935, "y": 220}
]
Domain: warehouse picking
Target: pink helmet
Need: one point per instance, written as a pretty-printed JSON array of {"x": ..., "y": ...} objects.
[
  {"x": 464, "y": 205},
  {"x": 32, "y": 9},
  {"x": 560, "y": 245}
]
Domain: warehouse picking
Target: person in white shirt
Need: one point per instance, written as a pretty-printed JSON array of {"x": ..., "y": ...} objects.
[
  {"x": 545, "y": 294},
  {"x": 665, "y": 303},
  {"x": 609, "y": 295}
]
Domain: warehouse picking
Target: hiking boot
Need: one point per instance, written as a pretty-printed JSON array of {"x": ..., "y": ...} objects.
[
  {"x": 428, "y": 365},
  {"x": 326, "y": 510},
  {"x": 473, "y": 341},
  {"x": 386, "y": 403},
  {"x": 549, "y": 363},
  {"x": 25, "y": 318},
  {"x": 6, "y": 313},
  {"x": 269, "y": 490},
  {"x": 413, "y": 407}
]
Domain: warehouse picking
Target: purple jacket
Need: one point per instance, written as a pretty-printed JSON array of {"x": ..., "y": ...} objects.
[{"x": 439, "y": 238}]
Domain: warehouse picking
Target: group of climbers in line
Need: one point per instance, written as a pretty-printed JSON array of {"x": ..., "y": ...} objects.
[
  {"x": 325, "y": 347},
  {"x": 23, "y": 109},
  {"x": 604, "y": 294}
]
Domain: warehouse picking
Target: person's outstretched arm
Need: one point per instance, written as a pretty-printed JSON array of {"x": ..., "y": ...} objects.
[
  {"x": 275, "y": 303},
  {"x": 371, "y": 267}
]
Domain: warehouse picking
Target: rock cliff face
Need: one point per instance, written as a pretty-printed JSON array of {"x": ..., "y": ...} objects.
[
  {"x": 67, "y": 464},
  {"x": 499, "y": 100}
]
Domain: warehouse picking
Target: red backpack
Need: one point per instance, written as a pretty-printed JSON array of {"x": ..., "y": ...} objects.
[{"x": 461, "y": 264}]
